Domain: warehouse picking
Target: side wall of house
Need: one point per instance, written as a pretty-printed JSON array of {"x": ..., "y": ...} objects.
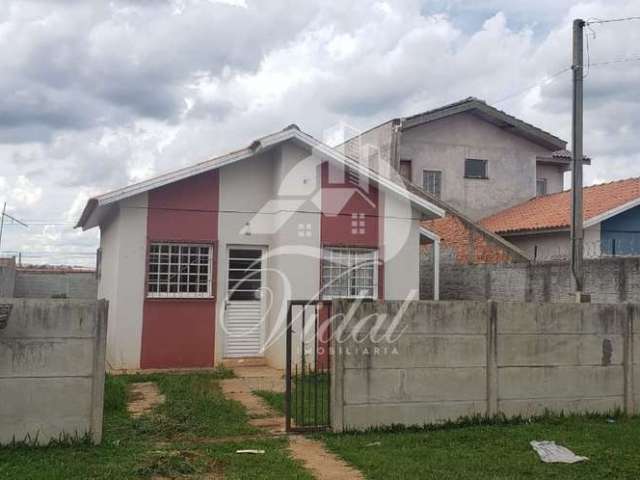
[
  {"x": 555, "y": 245},
  {"x": 624, "y": 229},
  {"x": 444, "y": 145},
  {"x": 553, "y": 174},
  {"x": 123, "y": 242}
]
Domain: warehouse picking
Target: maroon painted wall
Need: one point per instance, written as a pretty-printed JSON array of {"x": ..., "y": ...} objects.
[
  {"x": 179, "y": 333},
  {"x": 341, "y": 199}
]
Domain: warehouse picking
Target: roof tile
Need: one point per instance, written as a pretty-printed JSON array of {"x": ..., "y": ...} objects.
[{"x": 554, "y": 211}]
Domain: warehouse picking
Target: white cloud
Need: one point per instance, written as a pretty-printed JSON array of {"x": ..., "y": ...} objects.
[{"x": 95, "y": 96}]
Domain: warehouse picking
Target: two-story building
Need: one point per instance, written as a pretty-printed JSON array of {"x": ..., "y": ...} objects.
[{"x": 474, "y": 157}]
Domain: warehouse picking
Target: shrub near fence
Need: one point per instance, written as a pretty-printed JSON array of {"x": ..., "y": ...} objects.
[
  {"x": 456, "y": 359},
  {"x": 52, "y": 366}
]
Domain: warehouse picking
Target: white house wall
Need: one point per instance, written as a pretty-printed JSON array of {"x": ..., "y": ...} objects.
[
  {"x": 401, "y": 247},
  {"x": 556, "y": 245},
  {"x": 123, "y": 245}
]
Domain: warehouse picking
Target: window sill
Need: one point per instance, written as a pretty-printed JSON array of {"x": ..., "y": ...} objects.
[
  {"x": 476, "y": 178},
  {"x": 178, "y": 298}
]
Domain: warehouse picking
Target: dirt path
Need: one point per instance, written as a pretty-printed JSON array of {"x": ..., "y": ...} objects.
[
  {"x": 322, "y": 464},
  {"x": 143, "y": 397}
]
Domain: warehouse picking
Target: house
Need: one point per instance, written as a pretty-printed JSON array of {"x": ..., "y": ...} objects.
[
  {"x": 198, "y": 264},
  {"x": 476, "y": 158},
  {"x": 540, "y": 226}
]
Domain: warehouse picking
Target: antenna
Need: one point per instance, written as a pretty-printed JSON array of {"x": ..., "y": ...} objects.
[{"x": 2, "y": 217}]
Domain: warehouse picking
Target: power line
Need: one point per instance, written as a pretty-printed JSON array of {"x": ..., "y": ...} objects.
[
  {"x": 611, "y": 20},
  {"x": 274, "y": 212},
  {"x": 621, "y": 60},
  {"x": 546, "y": 81}
]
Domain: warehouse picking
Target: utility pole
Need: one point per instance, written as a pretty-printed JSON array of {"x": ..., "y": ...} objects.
[
  {"x": 577, "y": 234},
  {"x": 2, "y": 217}
]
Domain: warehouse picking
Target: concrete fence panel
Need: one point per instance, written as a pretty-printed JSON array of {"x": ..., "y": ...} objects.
[
  {"x": 444, "y": 360},
  {"x": 52, "y": 364}
]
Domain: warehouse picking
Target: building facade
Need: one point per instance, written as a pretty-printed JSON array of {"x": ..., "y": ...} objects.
[{"x": 198, "y": 265}]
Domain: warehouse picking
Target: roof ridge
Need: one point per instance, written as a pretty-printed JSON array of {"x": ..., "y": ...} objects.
[{"x": 610, "y": 182}]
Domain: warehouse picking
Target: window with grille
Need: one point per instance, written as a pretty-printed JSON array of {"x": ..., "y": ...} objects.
[
  {"x": 179, "y": 270},
  {"x": 432, "y": 182},
  {"x": 349, "y": 273},
  {"x": 475, "y": 168},
  {"x": 541, "y": 186}
]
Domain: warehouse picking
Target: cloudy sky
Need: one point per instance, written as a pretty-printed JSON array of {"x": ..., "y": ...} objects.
[{"x": 95, "y": 95}]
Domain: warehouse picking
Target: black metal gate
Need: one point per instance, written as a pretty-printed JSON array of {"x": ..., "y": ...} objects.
[{"x": 308, "y": 366}]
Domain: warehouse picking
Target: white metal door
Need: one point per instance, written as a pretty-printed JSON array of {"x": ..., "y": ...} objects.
[{"x": 243, "y": 316}]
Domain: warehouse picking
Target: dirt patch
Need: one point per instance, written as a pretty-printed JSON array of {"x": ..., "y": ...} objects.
[
  {"x": 183, "y": 464},
  {"x": 143, "y": 398},
  {"x": 323, "y": 464}
]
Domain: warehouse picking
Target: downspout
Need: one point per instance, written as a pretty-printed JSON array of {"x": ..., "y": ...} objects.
[{"x": 436, "y": 269}]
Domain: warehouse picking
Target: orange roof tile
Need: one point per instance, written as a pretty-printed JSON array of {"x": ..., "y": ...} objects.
[{"x": 554, "y": 211}]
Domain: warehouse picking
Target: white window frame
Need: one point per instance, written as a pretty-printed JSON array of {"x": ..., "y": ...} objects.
[
  {"x": 542, "y": 181},
  {"x": 424, "y": 175},
  {"x": 158, "y": 294},
  {"x": 375, "y": 265}
]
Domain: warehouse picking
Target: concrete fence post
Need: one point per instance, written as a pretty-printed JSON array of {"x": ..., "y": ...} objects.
[
  {"x": 492, "y": 359},
  {"x": 629, "y": 393},
  {"x": 99, "y": 367},
  {"x": 336, "y": 398}
]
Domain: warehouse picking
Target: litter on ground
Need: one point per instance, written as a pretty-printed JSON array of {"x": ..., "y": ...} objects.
[
  {"x": 549, "y": 452},
  {"x": 260, "y": 452}
]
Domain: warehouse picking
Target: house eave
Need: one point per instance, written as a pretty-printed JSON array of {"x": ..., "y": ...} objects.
[{"x": 89, "y": 217}]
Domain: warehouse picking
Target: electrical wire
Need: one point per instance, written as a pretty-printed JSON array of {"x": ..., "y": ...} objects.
[
  {"x": 546, "y": 81},
  {"x": 611, "y": 20}
]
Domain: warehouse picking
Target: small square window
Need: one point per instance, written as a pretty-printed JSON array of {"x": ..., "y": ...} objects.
[
  {"x": 432, "y": 182},
  {"x": 541, "y": 187},
  {"x": 475, "y": 168}
]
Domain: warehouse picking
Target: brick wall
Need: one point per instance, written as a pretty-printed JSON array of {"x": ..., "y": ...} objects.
[
  {"x": 467, "y": 245},
  {"x": 608, "y": 280}
]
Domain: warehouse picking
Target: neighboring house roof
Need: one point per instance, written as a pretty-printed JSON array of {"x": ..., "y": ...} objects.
[
  {"x": 97, "y": 207},
  {"x": 561, "y": 157},
  {"x": 491, "y": 114},
  {"x": 440, "y": 226},
  {"x": 552, "y": 212}
]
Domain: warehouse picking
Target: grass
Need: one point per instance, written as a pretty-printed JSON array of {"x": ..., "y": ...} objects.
[
  {"x": 309, "y": 399},
  {"x": 177, "y": 441},
  {"x": 481, "y": 450}
]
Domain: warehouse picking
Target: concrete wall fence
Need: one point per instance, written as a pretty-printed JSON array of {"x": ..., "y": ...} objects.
[
  {"x": 458, "y": 359},
  {"x": 48, "y": 284},
  {"x": 52, "y": 357},
  {"x": 608, "y": 280}
]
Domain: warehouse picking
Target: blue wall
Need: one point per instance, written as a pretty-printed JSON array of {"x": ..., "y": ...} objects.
[{"x": 625, "y": 229}]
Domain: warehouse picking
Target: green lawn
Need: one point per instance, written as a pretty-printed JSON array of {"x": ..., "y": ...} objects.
[
  {"x": 496, "y": 452},
  {"x": 176, "y": 441}
]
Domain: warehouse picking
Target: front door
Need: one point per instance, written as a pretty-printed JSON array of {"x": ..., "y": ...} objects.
[{"x": 243, "y": 315}]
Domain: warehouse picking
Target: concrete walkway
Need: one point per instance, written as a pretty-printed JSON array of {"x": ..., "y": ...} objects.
[{"x": 322, "y": 464}]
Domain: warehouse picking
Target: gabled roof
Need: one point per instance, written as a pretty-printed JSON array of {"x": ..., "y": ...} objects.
[
  {"x": 97, "y": 207},
  {"x": 491, "y": 114},
  {"x": 553, "y": 212}
]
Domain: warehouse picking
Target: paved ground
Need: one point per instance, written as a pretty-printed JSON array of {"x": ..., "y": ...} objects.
[{"x": 322, "y": 464}]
